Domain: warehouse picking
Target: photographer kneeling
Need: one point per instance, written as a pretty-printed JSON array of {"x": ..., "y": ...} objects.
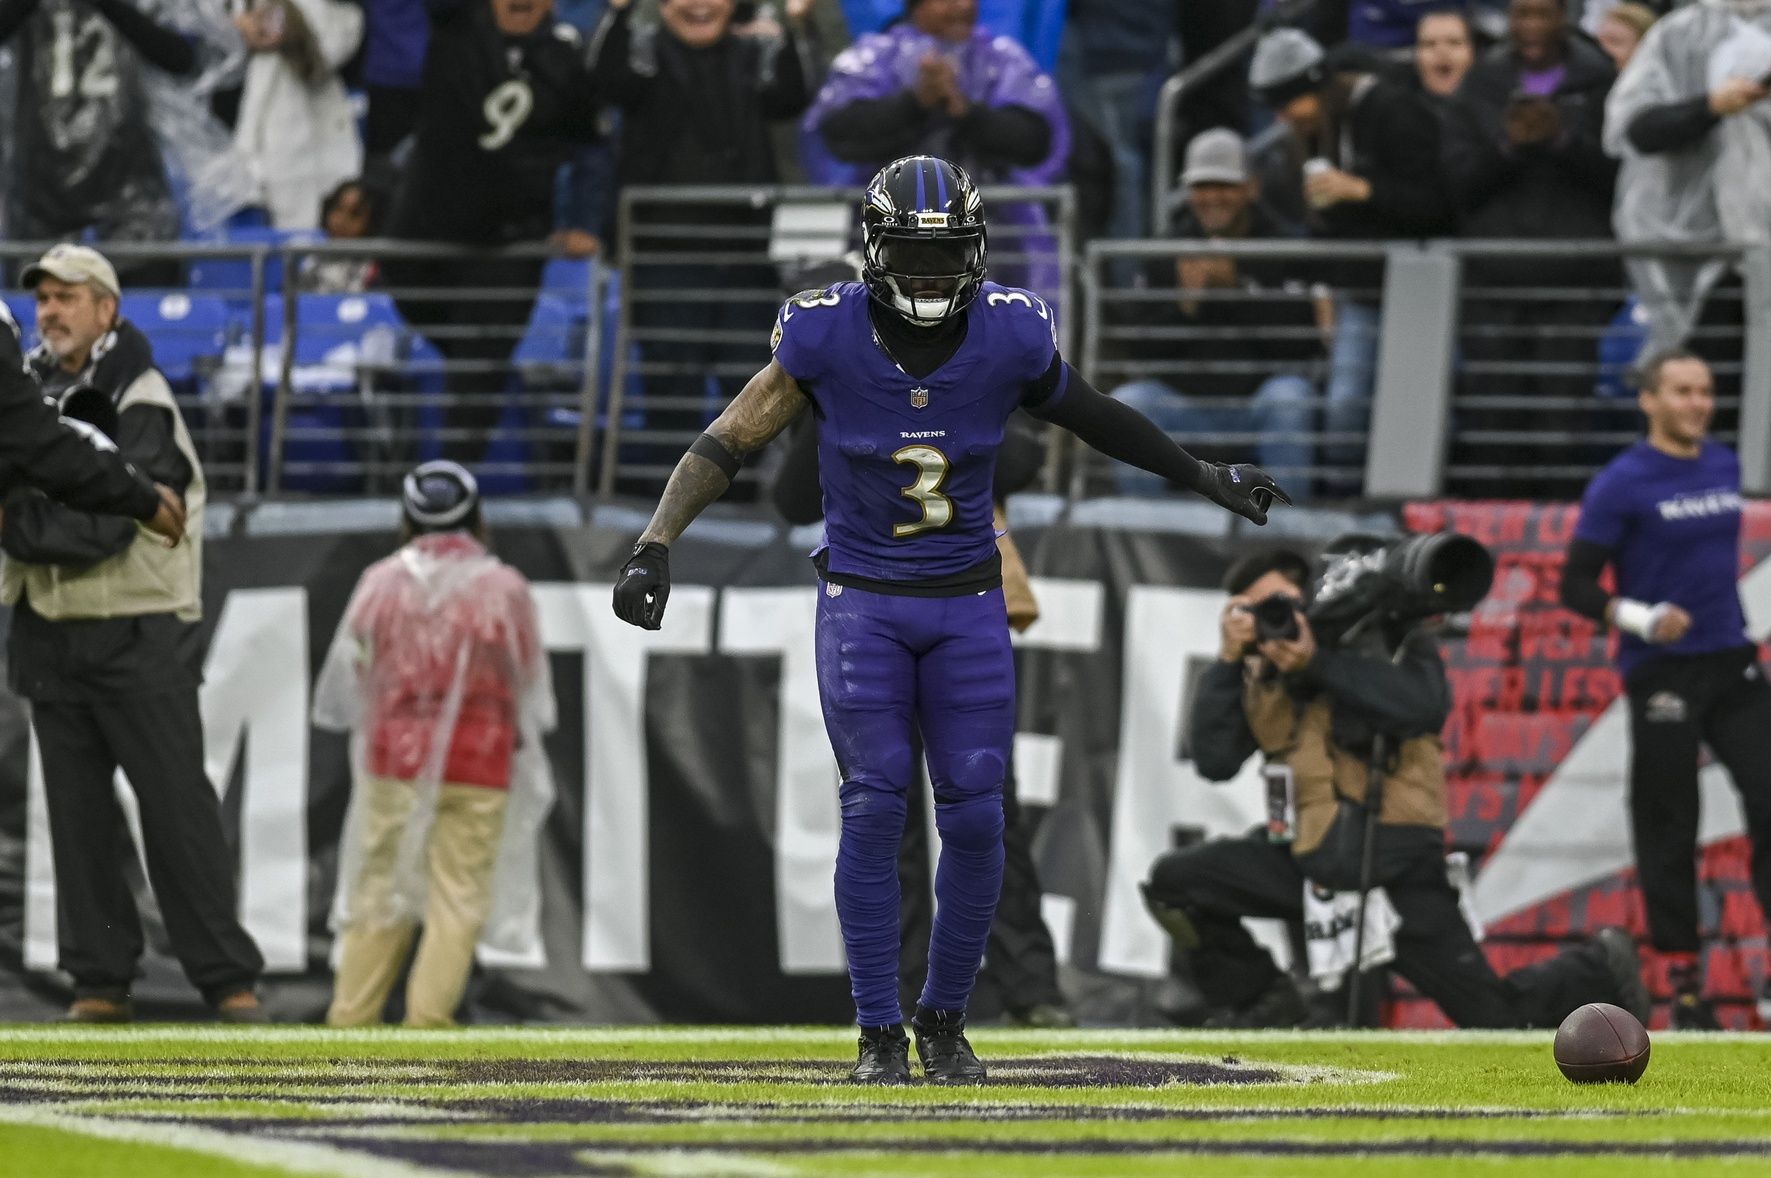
[{"x": 1314, "y": 711}]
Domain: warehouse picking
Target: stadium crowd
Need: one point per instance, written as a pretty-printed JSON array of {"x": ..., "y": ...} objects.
[{"x": 1382, "y": 120}]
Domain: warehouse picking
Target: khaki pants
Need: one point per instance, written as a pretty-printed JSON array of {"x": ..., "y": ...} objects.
[{"x": 463, "y": 850}]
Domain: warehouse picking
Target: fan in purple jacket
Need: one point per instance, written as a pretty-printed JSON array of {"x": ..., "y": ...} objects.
[{"x": 937, "y": 84}]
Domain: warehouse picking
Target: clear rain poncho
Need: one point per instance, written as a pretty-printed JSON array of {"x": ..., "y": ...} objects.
[
  {"x": 436, "y": 661},
  {"x": 1676, "y": 195}
]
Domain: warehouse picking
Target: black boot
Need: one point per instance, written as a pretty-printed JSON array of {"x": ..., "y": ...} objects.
[
  {"x": 941, "y": 1046},
  {"x": 885, "y": 1057}
]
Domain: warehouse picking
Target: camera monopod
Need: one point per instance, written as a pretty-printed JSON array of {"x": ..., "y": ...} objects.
[{"x": 1374, "y": 808}]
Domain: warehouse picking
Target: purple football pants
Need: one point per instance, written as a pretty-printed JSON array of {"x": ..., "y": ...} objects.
[{"x": 887, "y": 666}]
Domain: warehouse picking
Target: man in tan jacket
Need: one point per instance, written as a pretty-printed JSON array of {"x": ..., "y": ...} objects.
[
  {"x": 1312, "y": 712},
  {"x": 101, "y": 617}
]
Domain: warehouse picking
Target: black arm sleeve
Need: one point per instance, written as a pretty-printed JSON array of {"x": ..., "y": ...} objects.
[
  {"x": 160, "y": 45},
  {"x": 1673, "y": 125},
  {"x": 1014, "y": 135},
  {"x": 1580, "y": 579},
  {"x": 38, "y": 530},
  {"x": 1218, "y": 736},
  {"x": 871, "y": 129},
  {"x": 13, "y": 14},
  {"x": 1119, "y": 431},
  {"x": 1404, "y": 699}
]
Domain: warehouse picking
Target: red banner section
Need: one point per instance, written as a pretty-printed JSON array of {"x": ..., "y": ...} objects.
[{"x": 1530, "y": 680}]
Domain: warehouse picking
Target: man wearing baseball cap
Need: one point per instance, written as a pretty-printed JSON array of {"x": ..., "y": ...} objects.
[
  {"x": 64, "y": 459},
  {"x": 100, "y": 615},
  {"x": 1252, "y": 346}
]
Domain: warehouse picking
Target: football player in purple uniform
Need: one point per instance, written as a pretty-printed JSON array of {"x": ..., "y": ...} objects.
[{"x": 911, "y": 375}]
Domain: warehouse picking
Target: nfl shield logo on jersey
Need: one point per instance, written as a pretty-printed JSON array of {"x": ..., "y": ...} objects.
[{"x": 919, "y": 398}]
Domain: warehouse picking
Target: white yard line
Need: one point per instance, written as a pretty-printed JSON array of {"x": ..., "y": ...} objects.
[{"x": 295, "y": 1157}]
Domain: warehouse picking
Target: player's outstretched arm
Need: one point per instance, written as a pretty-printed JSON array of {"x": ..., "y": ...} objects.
[
  {"x": 1119, "y": 431},
  {"x": 766, "y": 406}
]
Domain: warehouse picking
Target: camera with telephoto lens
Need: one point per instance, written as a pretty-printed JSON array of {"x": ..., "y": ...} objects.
[
  {"x": 1275, "y": 617},
  {"x": 1373, "y": 579}
]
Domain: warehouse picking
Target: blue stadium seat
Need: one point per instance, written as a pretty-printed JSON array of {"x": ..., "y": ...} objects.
[
  {"x": 189, "y": 332},
  {"x": 24, "y": 311},
  {"x": 554, "y": 338},
  {"x": 335, "y": 337},
  {"x": 568, "y": 278}
]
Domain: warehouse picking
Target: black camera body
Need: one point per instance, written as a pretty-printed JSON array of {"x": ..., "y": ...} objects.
[
  {"x": 1373, "y": 580},
  {"x": 1275, "y": 617}
]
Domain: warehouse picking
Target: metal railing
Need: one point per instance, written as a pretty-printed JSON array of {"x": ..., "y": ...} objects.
[
  {"x": 703, "y": 270},
  {"x": 1245, "y": 370},
  {"x": 288, "y": 390},
  {"x": 1500, "y": 367},
  {"x": 322, "y": 367}
]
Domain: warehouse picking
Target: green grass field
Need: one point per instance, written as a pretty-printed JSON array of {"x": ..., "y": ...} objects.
[{"x": 194, "y": 1102}]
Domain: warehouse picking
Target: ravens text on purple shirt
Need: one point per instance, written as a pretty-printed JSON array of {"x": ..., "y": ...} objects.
[{"x": 1673, "y": 528}]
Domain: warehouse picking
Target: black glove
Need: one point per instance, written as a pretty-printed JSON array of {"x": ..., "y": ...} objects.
[
  {"x": 644, "y": 586},
  {"x": 1247, "y": 490}
]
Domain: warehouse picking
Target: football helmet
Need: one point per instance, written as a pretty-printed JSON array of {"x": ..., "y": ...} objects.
[{"x": 922, "y": 237}]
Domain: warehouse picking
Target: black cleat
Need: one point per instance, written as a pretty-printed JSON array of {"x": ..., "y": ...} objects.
[
  {"x": 885, "y": 1057},
  {"x": 941, "y": 1046}
]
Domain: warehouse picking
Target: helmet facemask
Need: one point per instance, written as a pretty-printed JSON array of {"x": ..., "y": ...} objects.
[{"x": 925, "y": 277}]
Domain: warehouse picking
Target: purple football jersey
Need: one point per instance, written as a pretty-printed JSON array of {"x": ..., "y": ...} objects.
[{"x": 906, "y": 463}]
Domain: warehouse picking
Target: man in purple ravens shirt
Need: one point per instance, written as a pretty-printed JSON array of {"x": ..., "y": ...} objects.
[
  {"x": 911, "y": 375},
  {"x": 1665, "y": 515}
]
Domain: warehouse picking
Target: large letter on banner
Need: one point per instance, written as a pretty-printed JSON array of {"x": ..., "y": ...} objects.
[
  {"x": 807, "y": 816},
  {"x": 1167, "y": 633},
  {"x": 617, "y": 895}
]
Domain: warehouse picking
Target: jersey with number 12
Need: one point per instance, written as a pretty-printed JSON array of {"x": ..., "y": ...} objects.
[{"x": 906, "y": 463}]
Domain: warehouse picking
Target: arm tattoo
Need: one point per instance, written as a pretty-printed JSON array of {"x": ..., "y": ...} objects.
[{"x": 768, "y": 405}]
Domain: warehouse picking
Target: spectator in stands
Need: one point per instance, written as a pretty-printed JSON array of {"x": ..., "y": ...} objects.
[
  {"x": 438, "y": 668},
  {"x": 86, "y": 155},
  {"x": 1689, "y": 121},
  {"x": 938, "y": 84},
  {"x": 1371, "y": 173},
  {"x": 1113, "y": 57},
  {"x": 507, "y": 92},
  {"x": 1253, "y": 340},
  {"x": 1620, "y": 31},
  {"x": 1444, "y": 50},
  {"x": 697, "y": 101},
  {"x": 101, "y": 614},
  {"x": 295, "y": 123},
  {"x": 351, "y": 212},
  {"x": 1525, "y": 159}
]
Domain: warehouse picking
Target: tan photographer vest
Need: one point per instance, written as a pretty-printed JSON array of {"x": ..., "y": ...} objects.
[
  {"x": 145, "y": 578},
  {"x": 1299, "y": 734}
]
